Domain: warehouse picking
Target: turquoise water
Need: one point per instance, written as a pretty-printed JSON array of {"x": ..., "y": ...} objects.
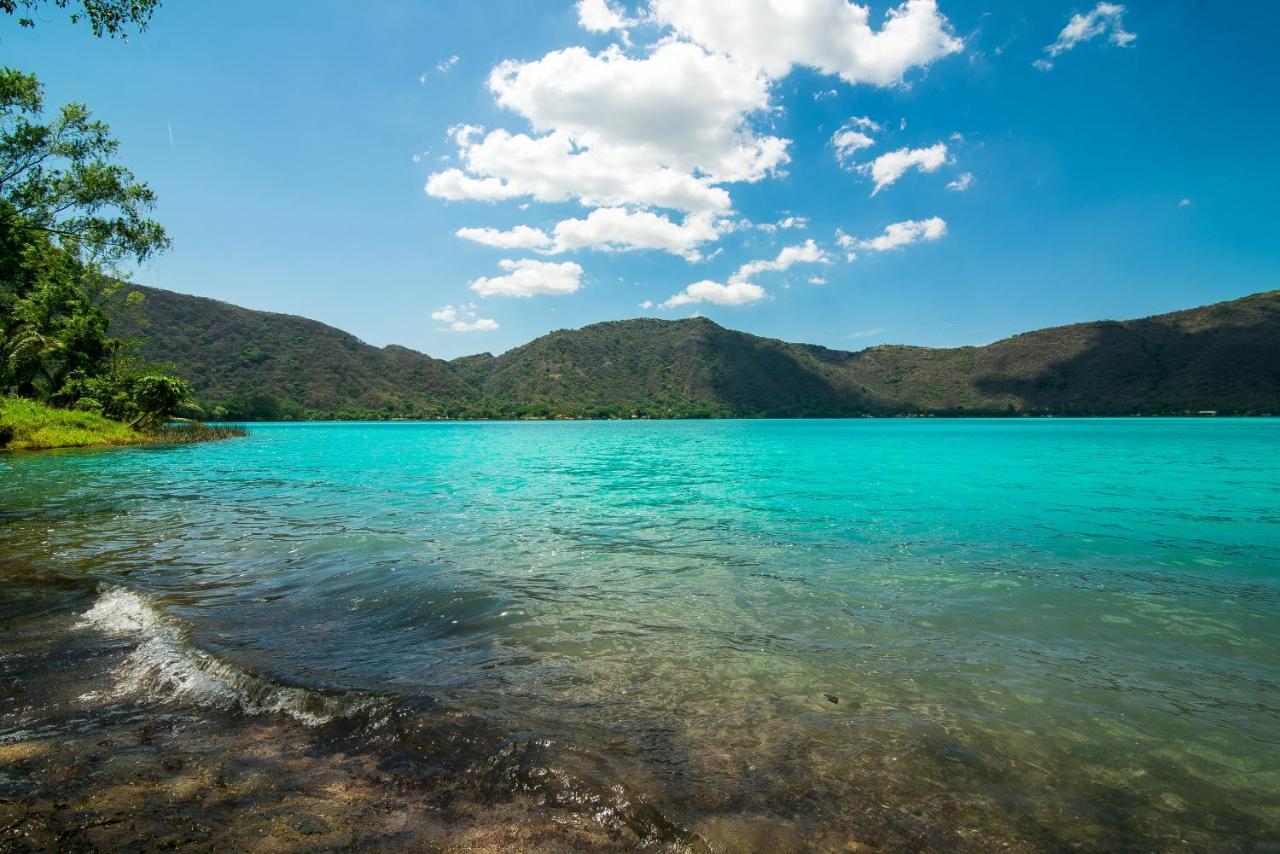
[{"x": 1045, "y": 632}]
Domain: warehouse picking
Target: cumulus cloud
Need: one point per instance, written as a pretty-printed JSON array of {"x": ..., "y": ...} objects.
[
  {"x": 679, "y": 106},
  {"x": 832, "y": 36},
  {"x": 962, "y": 183},
  {"x": 526, "y": 277},
  {"x": 601, "y": 16},
  {"x": 787, "y": 222},
  {"x": 463, "y": 318},
  {"x": 1184, "y": 203},
  {"x": 661, "y": 130},
  {"x": 888, "y": 168},
  {"x": 852, "y": 137},
  {"x": 806, "y": 253},
  {"x": 610, "y": 230},
  {"x": 897, "y": 235},
  {"x": 619, "y": 229},
  {"x": 520, "y": 237},
  {"x": 733, "y": 293},
  {"x": 552, "y": 168},
  {"x": 1104, "y": 19},
  {"x": 454, "y": 185},
  {"x": 739, "y": 290}
]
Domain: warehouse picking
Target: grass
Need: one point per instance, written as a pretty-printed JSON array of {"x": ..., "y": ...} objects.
[
  {"x": 189, "y": 432},
  {"x": 27, "y": 425},
  {"x": 34, "y": 426}
]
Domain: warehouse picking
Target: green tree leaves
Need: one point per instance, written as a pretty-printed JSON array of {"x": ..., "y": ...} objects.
[
  {"x": 58, "y": 177},
  {"x": 105, "y": 17}
]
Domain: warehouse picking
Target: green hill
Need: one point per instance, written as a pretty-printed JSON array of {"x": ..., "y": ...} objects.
[
  {"x": 1224, "y": 357},
  {"x": 261, "y": 365}
]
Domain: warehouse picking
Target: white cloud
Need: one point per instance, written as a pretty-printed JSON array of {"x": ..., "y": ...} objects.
[
  {"x": 962, "y": 183},
  {"x": 520, "y": 237},
  {"x": 900, "y": 234},
  {"x": 1184, "y": 203},
  {"x": 866, "y": 333},
  {"x": 852, "y": 137},
  {"x": 1104, "y": 19},
  {"x": 848, "y": 243},
  {"x": 647, "y": 304},
  {"x": 888, "y": 168},
  {"x": 618, "y": 229},
  {"x": 601, "y": 16},
  {"x": 806, "y": 253},
  {"x": 527, "y": 277},
  {"x": 663, "y": 130},
  {"x": 446, "y": 64},
  {"x": 734, "y": 293},
  {"x": 833, "y": 36},
  {"x": 817, "y": 280},
  {"x": 680, "y": 106},
  {"x": 552, "y": 169},
  {"x": 738, "y": 290},
  {"x": 786, "y": 223},
  {"x": 480, "y": 324},
  {"x": 463, "y": 318},
  {"x": 454, "y": 185}
]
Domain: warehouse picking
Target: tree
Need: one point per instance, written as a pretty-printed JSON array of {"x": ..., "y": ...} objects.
[
  {"x": 58, "y": 178},
  {"x": 109, "y": 17},
  {"x": 69, "y": 218}
]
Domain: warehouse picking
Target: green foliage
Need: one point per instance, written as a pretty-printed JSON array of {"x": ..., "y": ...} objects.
[
  {"x": 68, "y": 216},
  {"x": 127, "y": 392},
  {"x": 109, "y": 17},
  {"x": 29, "y": 425},
  {"x": 33, "y": 426},
  {"x": 58, "y": 179}
]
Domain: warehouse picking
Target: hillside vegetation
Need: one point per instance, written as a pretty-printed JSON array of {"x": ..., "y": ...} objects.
[
  {"x": 249, "y": 364},
  {"x": 256, "y": 365}
]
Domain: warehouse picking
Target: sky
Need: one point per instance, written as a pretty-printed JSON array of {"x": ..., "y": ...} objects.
[{"x": 460, "y": 177}]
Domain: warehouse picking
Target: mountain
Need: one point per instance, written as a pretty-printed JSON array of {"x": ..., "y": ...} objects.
[
  {"x": 258, "y": 365},
  {"x": 1224, "y": 357}
]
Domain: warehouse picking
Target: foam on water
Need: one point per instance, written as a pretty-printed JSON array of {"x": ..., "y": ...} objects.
[{"x": 165, "y": 666}]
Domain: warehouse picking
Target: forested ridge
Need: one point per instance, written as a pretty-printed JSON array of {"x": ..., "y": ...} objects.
[{"x": 245, "y": 364}]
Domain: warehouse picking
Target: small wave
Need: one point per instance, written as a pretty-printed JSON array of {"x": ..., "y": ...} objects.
[{"x": 165, "y": 666}]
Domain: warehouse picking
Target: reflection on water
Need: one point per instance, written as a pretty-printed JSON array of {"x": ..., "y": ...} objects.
[{"x": 724, "y": 636}]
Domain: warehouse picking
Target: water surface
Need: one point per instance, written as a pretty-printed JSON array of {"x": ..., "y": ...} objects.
[{"x": 1037, "y": 633}]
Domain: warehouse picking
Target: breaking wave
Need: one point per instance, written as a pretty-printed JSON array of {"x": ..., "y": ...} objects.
[{"x": 166, "y": 666}]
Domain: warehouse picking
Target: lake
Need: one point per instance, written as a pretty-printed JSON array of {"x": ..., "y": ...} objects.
[{"x": 711, "y": 635}]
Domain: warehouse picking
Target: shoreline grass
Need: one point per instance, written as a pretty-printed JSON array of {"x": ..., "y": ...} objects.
[{"x": 26, "y": 425}]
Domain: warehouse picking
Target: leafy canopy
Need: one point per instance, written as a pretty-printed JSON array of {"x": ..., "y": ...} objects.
[
  {"x": 70, "y": 216},
  {"x": 105, "y": 17},
  {"x": 59, "y": 177}
]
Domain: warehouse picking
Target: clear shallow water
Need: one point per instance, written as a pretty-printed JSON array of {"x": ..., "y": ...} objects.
[{"x": 1048, "y": 633}]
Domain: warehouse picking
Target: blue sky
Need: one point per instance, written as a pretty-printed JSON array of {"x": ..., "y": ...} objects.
[{"x": 293, "y": 146}]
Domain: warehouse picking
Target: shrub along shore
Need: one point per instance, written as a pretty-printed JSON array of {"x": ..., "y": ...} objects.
[{"x": 30, "y": 426}]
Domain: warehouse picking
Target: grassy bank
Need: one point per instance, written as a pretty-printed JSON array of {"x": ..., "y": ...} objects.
[
  {"x": 27, "y": 425},
  {"x": 33, "y": 426}
]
